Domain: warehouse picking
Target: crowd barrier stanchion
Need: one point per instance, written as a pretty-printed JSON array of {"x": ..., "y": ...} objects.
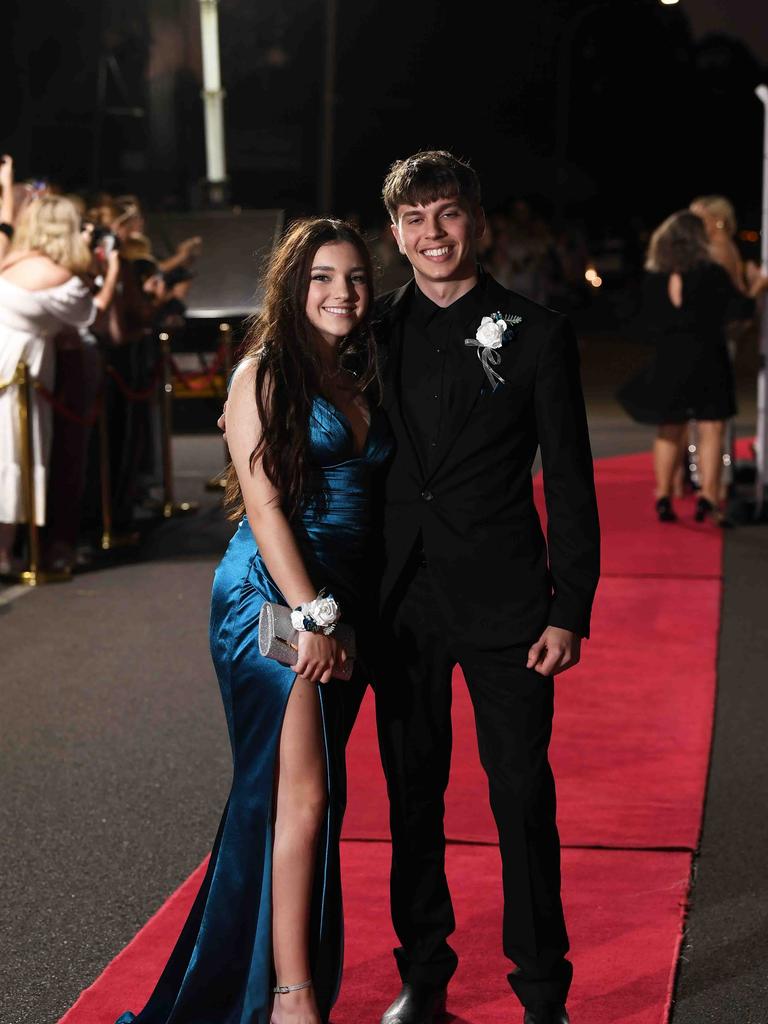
[
  {"x": 219, "y": 481},
  {"x": 109, "y": 539},
  {"x": 170, "y": 506},
  {"x": 33, "y": 575}
]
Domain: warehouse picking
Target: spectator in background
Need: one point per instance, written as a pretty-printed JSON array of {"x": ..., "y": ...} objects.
[
  {"x": 392, "y": 268},
  {"x": 79, "y": 382},
  {"x": 521, "y": 254},
  {"x": 687, "y": 301},
  {"x": 719, "y": 219},
  {"x": 41, "y": 291},
  {"x": 6, "y": 204}
]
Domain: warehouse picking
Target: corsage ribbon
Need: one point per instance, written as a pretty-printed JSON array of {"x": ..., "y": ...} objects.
[{"x": 489, "y": 357}]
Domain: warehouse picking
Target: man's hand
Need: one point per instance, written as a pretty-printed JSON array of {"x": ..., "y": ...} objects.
[
  {"x": 555, "y": 650},
  {"x": 221, "y": 422}
]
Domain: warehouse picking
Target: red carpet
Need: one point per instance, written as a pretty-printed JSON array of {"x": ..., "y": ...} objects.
[
  {"x": 634, "y": 715},
  {"x": 631, "y": 747},
  {"x": 624, "y": 908},
  {"x": 633, "y": 543}
]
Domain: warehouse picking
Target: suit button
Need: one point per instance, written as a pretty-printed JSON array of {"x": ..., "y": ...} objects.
[{"x": 427, "y": 495}]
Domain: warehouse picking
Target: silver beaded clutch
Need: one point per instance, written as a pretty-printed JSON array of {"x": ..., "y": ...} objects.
[{"x": 278, "y": 639}]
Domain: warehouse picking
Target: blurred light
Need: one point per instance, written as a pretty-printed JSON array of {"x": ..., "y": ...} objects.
[
  {"x": 749, "y": 236},
  {"x": 590, "y": 274},
  {"x": 669, "y": 3},
  {"x": 596, "y": 281}
]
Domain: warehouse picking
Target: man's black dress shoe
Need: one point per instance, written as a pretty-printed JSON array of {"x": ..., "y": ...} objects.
[
  {"x": 416, "y": 1005},
  {"x": 551, "y": 1014}
]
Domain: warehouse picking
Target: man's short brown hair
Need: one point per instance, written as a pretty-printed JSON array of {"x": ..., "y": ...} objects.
[{"x": 426, "y": 176}]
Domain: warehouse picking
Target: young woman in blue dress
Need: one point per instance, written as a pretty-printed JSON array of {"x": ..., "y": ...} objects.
[{"x": 263, "y": 942}]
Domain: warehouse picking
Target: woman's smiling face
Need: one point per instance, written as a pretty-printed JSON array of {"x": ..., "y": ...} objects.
[{"x": 339, "y": 291}]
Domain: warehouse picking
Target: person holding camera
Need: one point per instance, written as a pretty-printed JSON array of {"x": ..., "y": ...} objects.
[{"x": 41, "y": 291}]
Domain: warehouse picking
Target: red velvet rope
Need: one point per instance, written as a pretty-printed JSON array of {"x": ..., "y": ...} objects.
[
  {"x": 64, "y": 411},
  {"x": 147, "y": 394},
  {"x": 195, "y": 380}
]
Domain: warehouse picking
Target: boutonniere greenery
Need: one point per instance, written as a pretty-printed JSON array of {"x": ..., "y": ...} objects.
[{"x": 495, "y": 331}]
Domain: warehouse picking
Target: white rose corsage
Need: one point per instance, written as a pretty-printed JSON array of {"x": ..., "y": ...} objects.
[
  {"x": 318, "y": 616},
  {"x": 493, "y": 333}
]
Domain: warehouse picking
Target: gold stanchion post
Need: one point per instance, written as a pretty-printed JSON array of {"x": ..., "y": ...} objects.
[
  {"x": 219, "y": 481},
  {"x": 170, "y": 506},
  {"x": 33, "y": 575}
]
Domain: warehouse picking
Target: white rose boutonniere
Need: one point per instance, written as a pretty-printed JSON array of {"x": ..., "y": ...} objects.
[
  {"x": 490, "y": 333},
  {"x": 493, "y": 333}
]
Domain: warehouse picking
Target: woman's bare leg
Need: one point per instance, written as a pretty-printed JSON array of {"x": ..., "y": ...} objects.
[
  {"x": 666, "y": 455},
  {"x": 300, "y": 804},
  {"x": 711, "y": 458}
]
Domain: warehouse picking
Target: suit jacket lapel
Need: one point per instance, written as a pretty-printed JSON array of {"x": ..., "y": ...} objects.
[
  {"x": 389, "y": 330},
  {"x": 391, "y": 323}
]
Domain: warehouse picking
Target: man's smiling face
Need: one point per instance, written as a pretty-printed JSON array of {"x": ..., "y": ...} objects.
[{"x": 440, "y": 238}]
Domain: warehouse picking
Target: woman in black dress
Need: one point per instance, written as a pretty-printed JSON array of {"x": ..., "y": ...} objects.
[{"x": 687, "y": 301}]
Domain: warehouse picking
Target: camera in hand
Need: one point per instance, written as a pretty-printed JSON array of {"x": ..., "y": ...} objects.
[{"x": 104, "y": 240}]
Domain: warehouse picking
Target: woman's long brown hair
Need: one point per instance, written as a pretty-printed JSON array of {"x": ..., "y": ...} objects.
[{"x": 288, "y": 370}]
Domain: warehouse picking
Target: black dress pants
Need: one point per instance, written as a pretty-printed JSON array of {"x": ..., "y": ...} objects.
[{"x": 513, "y": 709}]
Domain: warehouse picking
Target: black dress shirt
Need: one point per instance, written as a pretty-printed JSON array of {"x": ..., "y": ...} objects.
[{"x": 433, "y": 343}]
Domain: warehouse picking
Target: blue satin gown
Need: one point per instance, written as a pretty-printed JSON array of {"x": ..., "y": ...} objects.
[{"x": 221, "y": 970}]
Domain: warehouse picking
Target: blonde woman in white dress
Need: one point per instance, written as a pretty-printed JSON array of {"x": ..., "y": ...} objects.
[{"x": 41, "y": 291}]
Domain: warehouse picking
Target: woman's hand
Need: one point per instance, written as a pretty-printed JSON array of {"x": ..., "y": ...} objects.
[
  {"x": 104, "y": 296},
  {"x": 6, "y": 172},
  {"x": 757, "y": 282},
  {"x": 113, "y": 262},
  {"x": 189, "y": 248},
  {"x": 318, "y": 654}
]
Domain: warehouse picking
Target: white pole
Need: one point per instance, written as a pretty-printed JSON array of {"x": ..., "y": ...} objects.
[
  {"x": 761, "y": 438},
  {"x": 213, "y": 99}
]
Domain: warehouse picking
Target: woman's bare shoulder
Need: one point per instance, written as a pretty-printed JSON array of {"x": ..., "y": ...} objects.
[
  {"x": 244, "y": 375},
  {"x": 35, "y": 273}
]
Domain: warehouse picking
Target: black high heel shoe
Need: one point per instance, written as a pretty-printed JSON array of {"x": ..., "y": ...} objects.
[
  {"x": 664, "y": 511},
  {"x": 706, "y": 510}
]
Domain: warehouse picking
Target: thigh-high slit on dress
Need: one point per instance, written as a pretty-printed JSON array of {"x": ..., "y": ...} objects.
[{"x": 221, "y": 970}]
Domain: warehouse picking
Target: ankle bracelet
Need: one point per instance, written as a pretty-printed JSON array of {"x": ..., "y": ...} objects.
[{"x": 284, "y": 989}]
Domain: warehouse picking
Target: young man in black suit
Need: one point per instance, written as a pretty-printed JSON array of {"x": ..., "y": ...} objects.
[{"x": 476, "y": 379}]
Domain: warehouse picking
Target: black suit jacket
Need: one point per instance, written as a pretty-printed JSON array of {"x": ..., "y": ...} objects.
[{"x": 497, "y": 580}]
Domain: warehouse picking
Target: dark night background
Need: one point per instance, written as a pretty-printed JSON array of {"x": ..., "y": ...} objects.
[{"x": 657, "y": 114}]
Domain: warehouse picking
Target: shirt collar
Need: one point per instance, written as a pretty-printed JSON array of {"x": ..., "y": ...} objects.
[{"x": 461, "y": 312}]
